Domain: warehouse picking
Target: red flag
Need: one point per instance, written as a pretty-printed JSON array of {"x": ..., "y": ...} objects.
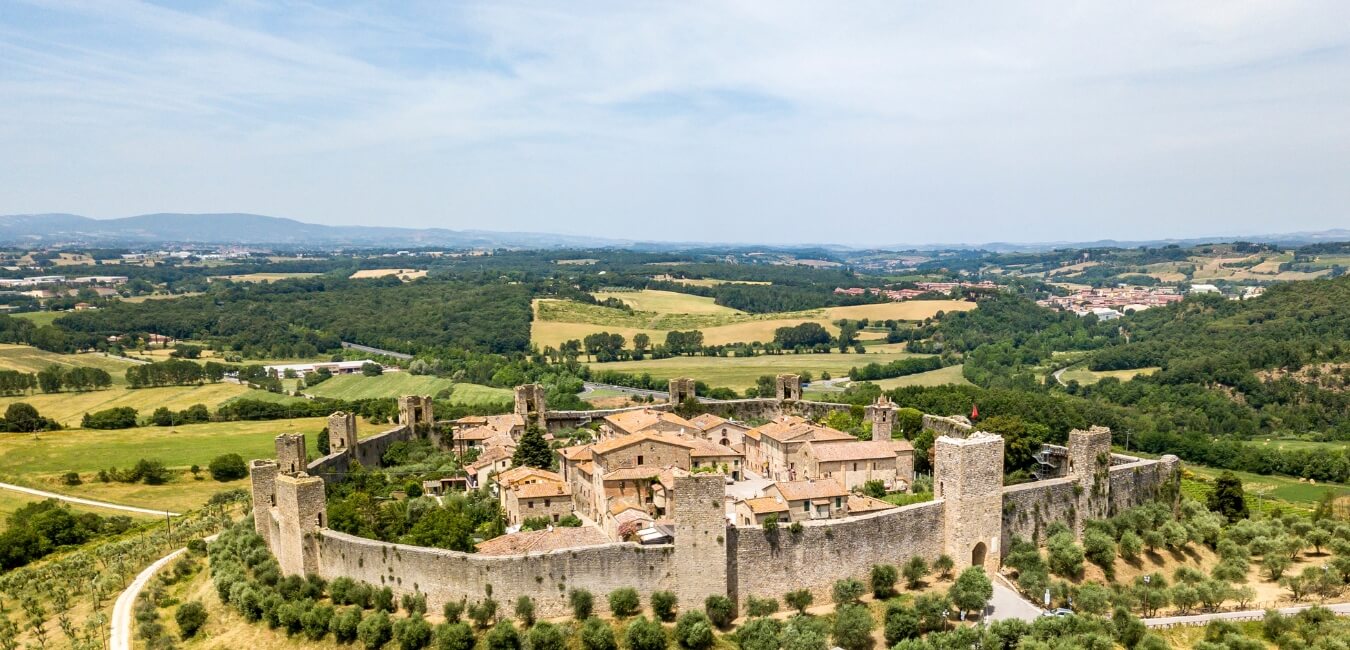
[{"x": 974, "y": 411}]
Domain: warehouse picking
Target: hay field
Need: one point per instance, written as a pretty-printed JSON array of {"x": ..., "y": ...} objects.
[
  {"x": 939, "y": 377},
  {"x": 668, "y": 302},
  {"x": 915, "y": 310},
  {"x": 1085, "y": 376},
  {"x": 263, "y": 277},
  {"x": 25, "y": 358},
  {"x": 395, "y": 384},
  {"x": 67, "y": 408},
  {"x": 405, "y": 275},
  {"x": 740, "y": 373},
  {"x": 40, "y": 318},
  {"x": 11, "y": 501}
]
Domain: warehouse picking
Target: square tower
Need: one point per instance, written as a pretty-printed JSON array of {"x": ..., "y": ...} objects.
[
  {"x": 788, "y": 387},
  {"x": 882, "y": 416},
  {"x": 681, "y": 389},
  {"x": 263, "y": 480},
  {"x": 341, "y": 432},
  {"x": 291, "y": 453},
  {"x": 968, "y": 476},
  {"x": 415, "y": 412},
  {"x": 700, "y": 537},
  {"x": 1090, "y": 465},
  {"x": 302, "y": 509},
  {"x": 530, "y": 402}
]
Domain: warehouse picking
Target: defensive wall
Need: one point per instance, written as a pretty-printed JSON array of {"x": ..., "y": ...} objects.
[{"x": 972, "y": 518}]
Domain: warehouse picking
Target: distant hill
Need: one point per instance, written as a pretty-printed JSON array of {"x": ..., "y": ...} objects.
[{"x": 254, "y": 229}]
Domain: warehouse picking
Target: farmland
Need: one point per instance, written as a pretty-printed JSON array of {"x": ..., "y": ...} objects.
[
  {"x": 394, "y": 384},
  {"x": 29, "y": 359},
  {"x": 741, "y": 372},
  {"x": 68, "y": 408},
  {"x": 948, "y": 375},
  {"x": 264, "y": 277},
  {"x": 1083, "y": 375}
]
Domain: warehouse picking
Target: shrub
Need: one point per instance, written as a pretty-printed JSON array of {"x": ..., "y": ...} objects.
[
  {"x": 151, "y": 472},
  {"x": 694, "y": 631},
  {"x": 345, "y": 624},
  {"x": 720, "y": 610},
  {"x": 120, "y": 417},
  {"x": 1130, "y": 546},
  {"x": 384, "y": 600},
  {"x": 624, "y": 602},
  {"x": 227, "y": 467},
  {"x": 482, "y": 613},
  {"x": 853, "y": 627},
  {"x": 546, "y": 636},
  {"x": 847, "y": 591},
  {"x": 453, "y": 610},
  {"x": 454, "y": 636},
  {"x": 760, "y": 606},
  {"x": 503, "y": 637},
  {"x": 1100, "y": 549},
  {"x": 375, "y": 631},
  {"x": 71, "y": 478},
  {"x": 582, "y": 603},
  {"x": 805, "y": 633},
  {"x": 883, "y": 580},
  {"x": 799, "y": 600},
  {"x": 597, "y": 635},
  {"x": 760, "y": 634},
  {"x": 643, "y": 634},
  {"x": 191, "y": 616},
  {"x": 931, "y": 609},
  {"x": 915, "y": 570},
  {"x": 412, "y": 633},
  {"x": 1066, "y": 557},
  {"x": 317, "y": 621},
  {"x": 944, "y": 565},
  {"x": 414, "y": 603},
  {"x": 525, "y": 611},
  {"x": 874, "y": 488},
  {"x": 902, "y": 623},
  {"x": 663, "y": 605}
]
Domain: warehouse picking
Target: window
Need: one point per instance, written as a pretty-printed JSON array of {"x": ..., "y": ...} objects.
[
  {"x": 838, "y": 502},
  {"x": 855, "y": 467},
  {"x": 806, "y": 506},
  {"x": 555, "y": 517},
  {"x": 639, "y": 459},
  {"x": 531, "y": 504},
  {"x": 546, "y": 503}
]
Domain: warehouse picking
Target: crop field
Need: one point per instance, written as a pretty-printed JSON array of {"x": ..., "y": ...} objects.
[
  {"x": 68, "y": 408},
  {"x": 658, "y": 312},
  {"x": 403, "y": 274},
  {"x": 264, "y": 277},
  {"x": 939, "y": 377},
  {"x": 29, "y": 359},
  {"x": 394, "y": 384},
  {"x": 1082, "y": 375},
  {"x": 740, "y": 373},
  {"x": 711, "y": 282},
  {"x": 1302, "y": 444},
  {"x": 1285, "y": 488},
  {"x": 40, "y": 463}
]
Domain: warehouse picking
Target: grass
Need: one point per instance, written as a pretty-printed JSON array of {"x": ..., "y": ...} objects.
[
  {"x": 40, "y": 318},
  {"x": 25, "y": 358},
  {"x": 741, "y": 372},
  {"x": 394, "y": 384},
  {"x": 263, "y": 277},
  {"x": 69, "y": 408},
  {"x": 1298, "y": 493},
  {"x": 939, "y": 377},
  {"x": 712, "y": 282},
  {"x": 668, "y": 302},
  {"x": 1084, "y": 376}
]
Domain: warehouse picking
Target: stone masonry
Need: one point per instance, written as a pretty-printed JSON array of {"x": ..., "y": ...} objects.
[
  {"x": 681, "y": 388},
  {"x": 882, "y": 416},
  {"x": 530, "y": 402},
  {"x": 290, "y": 453},
  {"x": 968, "y": 475},
  {"x": 341, "y": 431},
  {"x": 700, "y": 538},
  {"x": 415, "y": 411},
  {"x": 788, "y": 387}
]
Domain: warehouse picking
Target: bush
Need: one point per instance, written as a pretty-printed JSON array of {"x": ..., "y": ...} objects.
[
  {"x": 694, "y": 631},
  {"x": 503, "y": 637},
  {"x": 1100, "y": 549},
  {"x": 1066, "y": 557},
  {"x": 191, "y": 616},
  {"x": 624, "y": 602},
  {"x": 375, "y": 631},
  {"x": 760, "y": 634},
  {"x": 944, "y": 565},
  {"x": 151, "y": 472},
  {"x": 316, "y": 621},
  {"x": 345, "y": 624},
  {"x": 546, "y": 636},
  {"x": 643, "y": 634},
  {"x": 454, "y": 636},
  {"x": 121, "y": 417},
  {"x": 412, "y": 633},
  {"x": 384, "y": 600},
  {"x": 525, "y": 611},
  {"x": 582, "y": 603},
  {"x": 452, "y": 611},
  {"x": 902, "y": 623},
  {"x": 597, "y": 635},
  {"x": 228, "y": 467},
  {"x": 482, "y": 613},
  {"x": 805, "y": 633},
  {"x": 720, "y": 610},
  {"x": 760, "y": 606},
  {"x": 874, "y": 488},
  {"x": 915, "y": 570},
  {"x": 1130, "y": 546},
  {"x": 71, "y": 478},
  {"x": 847, "y": 591},
  {"x": 853, "y": 627},
  {"x": 799, "y": 600},
  {"x": 883, "y": 580},
  {"x": 663, "y": 605}
]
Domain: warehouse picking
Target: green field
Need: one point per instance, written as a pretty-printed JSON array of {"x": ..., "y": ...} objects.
[
  {"x": 1299, "y": 493},
  {"x": 395, "y": 384},
  {"x": 939, "y": 377},
  {"x": 69, "y": 408},
  {"x": 740, "y": 373},
  {"x": 40, "y": 318},
  {"x": 24, "y": 358},
  {"x": 41, "y": 462},
  {"x": 1082, "y": 375},
  {"x": 11, "y": 501}
]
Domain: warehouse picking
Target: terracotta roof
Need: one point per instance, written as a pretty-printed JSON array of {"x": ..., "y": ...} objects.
[
  {"x": 527, "y": 474},
  {"x": 765, "y": 505},
  {"x": 632, "y": 473},
  {"x": 708, "y": 421},
  {"x": 587, "y": 468},
  {"x": 811, "y": 489},
  {"x": 476, "y": 433},
  {"x": 828, "y": 451},
  {"x": 634, "y": 438},
  {"x": 539, "y": 541},
  {"x": 636, "y": 421},
  {"x": 492, "y": 455},
  {"x": 858, "y": 504},
  {"x": 576, "y": 452},
  {"x": 709, "y": 448},
  {"x": 795, "y": 429},
  {"x": 667, "y": 476},
  {"x": 621, "y": 504},
  {"x": 540, "y": 490}
]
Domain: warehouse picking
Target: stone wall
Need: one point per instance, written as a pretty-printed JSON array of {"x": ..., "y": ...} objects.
[
  {"x": 955, "y": 426},
  {"x": 367, "y": 452},
  {"x": 772, "y": 563},
  {"x": 700, "y": 538},
  {"x": 1030, "y": 507},
  {"x": 546, "y": 577}
]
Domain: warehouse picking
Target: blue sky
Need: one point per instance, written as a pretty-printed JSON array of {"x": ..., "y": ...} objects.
[{"x": 777, "y": 122}]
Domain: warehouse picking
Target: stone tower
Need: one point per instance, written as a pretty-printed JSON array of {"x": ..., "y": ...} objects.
[
  {"x": 301, "y": 510},
  {"x": 263, "y": 478},
  {"x": 882, "y": 416},
  {"x": 788, "y": 387},
  {"x": 1090, "y": 465},
  {"x": 968, "y": 476},
  {"x": 291, "y": 453},
  {"x": 415, "y": 411},
  {"x": 530, "y": 402},
  {"x": 681, "y": 389},
  {"x": 700, "y": 537},
  {"x": 341, "y": 432}
]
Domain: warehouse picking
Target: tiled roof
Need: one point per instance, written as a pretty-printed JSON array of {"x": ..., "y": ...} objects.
[
  {"x": 708, "y": 448},
  {"x": 708, "y": 421},
  {"x": 538, "y": 541},
  {"x": 812, "y": 489},
  {"x": 636, "y": 421},
  {"x": 540, "y": 490},
  {"x": 527, "y": 474},
  {"x": 828, "y": 451},
  {"x": 492, "y": 455},
  {"x": 764, "y": 505},
  {"x": 634, "y": 438},
  {"x": 576, "y": 452},
  {"x": 858, "y": 504},
  {"x": 795, "y": 429}
]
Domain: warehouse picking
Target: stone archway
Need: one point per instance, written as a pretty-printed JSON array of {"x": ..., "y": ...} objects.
[{"x": 977, "y": 555}]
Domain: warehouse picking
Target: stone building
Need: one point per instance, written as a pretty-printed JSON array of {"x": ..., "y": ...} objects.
[
  {"x": 775, "y": 449},
  {"x": 968, "y": 475},
  {"x": 788, "y": 387},
  {"x": 644, "y": 421},
  {"x": 531, "y": 405},
  {"x": 416, "y": 411},
  {"x": 681, "y": 389},
  {"x": 812, "y": 499},
  {"x": 341, "y": 431},
  {"x": 853, "y": 463},
  {"x": 720, "y": 430},
  {"x": 882, "y": 416}
]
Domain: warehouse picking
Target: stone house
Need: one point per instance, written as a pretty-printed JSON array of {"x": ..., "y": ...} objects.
[
  {"x": 811, "y": 499},
  {"x": 644, "y": 421},
  {"x": 854, "y": 463},
  {"x": 706, "y": 453},
  {"x": 440, "y": 487},
  {"x": 778, "y": 446},
  {"x": 549, "y": 499},
  {"x": 720, "y": 430},
  {"x": 493, "y": 460},
  {"x": 754, "y": 512}
]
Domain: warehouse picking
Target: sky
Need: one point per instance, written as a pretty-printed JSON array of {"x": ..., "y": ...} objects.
[{"x": 861, "y": 123}]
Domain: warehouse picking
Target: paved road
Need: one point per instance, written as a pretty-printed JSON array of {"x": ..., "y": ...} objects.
[
  {"x": 1342, "y": 609},
  {"x": 1007, "y": 603},
  {"x": 367, "y": 348},
  {"x": 119, "y": 630},
  {"x": 591, "y": 386},
  {"x": 85, "y": 502}
]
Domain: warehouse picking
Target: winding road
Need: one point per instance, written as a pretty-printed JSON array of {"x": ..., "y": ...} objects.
[
  {"x": 85, "y": 502},
  {"x": 119, "y": 629}
]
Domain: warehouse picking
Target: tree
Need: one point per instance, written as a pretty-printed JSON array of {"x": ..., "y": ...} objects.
[
  {"x": 1100, "y": 549},
  {"x": 412, "y": 633},
  {"x": 874, "y": 488},
  {"x": 597, "y": 635},
  {"x": 760, "y": 606},
  {"x": 883, "y": 581},
  {"x": 345, "y": 624},
  {"x": 51, "y": 378},
  {"x": 375, "y": 631},
  {"x": 191, "y": 616},
  {"x": 644, "y": 634},
  {"x": 546, "y": 636},
  {"x": 720, "y": 610},
  {"x": 902, "y": 622},
  {"x": 853, "y": 627},
  {"x": 1228, "y": 498},
  {"x": 624, "y": 602},
  {"x": 228, "y": 467},
  {"x": 582, "y": 603},
  {"x": 915, "y": 570},
  {"x": 532, "y": 450},
  {"x": 944, "y": 565},
  {"x": 371, "y": 369},
  {"x": 1130, "y": 546},
  {"x": 799, "y": 600},
  {"x": 119, "y": 417},
  {"x": 805, "y": 633},
  {"x": 694, "y": 631},
  {"x": 972, "y": 590},
  {"x": 503, "y": 636},
  {"x": 663, "y": 605},
  {"x": 453, "y": 636},
  {"x": 641, "y": 341},
  {"x": 1065, "y": 557},
  {"x": 525, "y": 611},
  {"x": 760, "y": 634}
]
